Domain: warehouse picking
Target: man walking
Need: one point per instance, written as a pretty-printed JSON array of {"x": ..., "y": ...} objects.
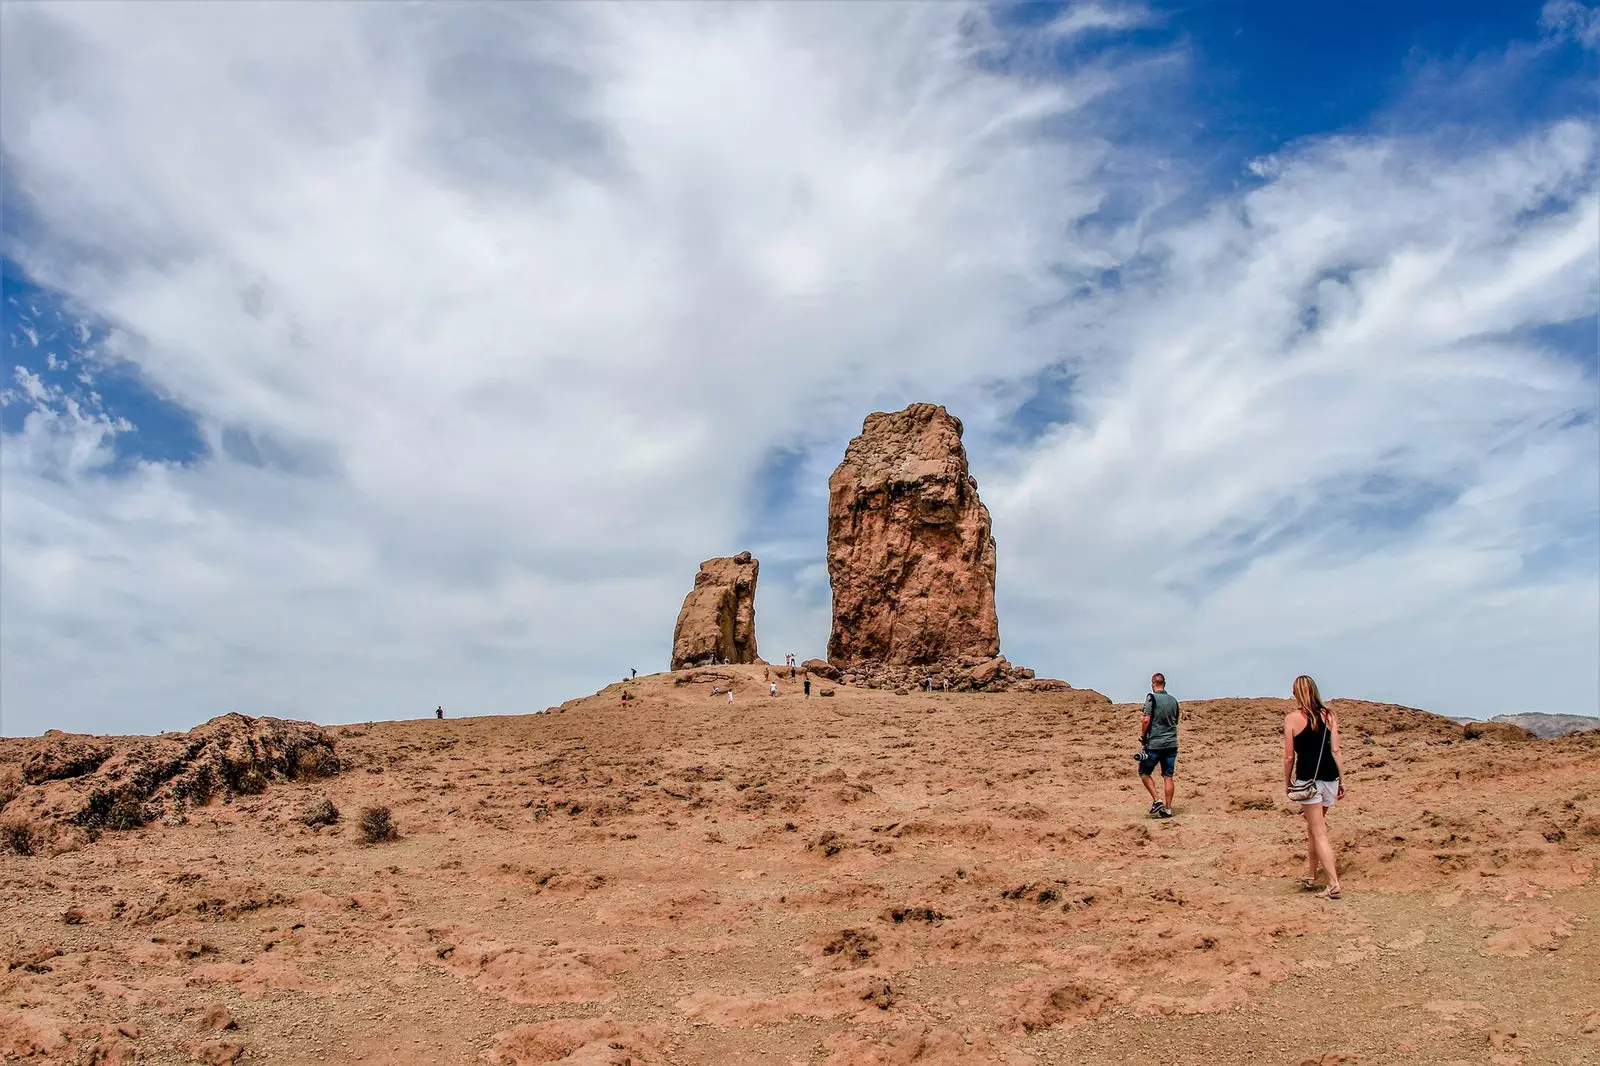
[
  {"x": 1158, "y": 732},
  {"x": 808, "y": 688}
]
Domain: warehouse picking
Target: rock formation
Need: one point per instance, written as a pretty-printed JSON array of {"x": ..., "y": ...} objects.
[
  {"x": 718, "y": 620},
  {"x": 64, "y": 787},
  {"x": 911, "y": 559}
]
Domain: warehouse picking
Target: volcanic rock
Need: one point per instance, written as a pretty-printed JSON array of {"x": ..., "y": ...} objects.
[
  {"x": 822, "y": 668},
  {"x": 911, "y": 558},
  {"x": 718, "y": 621},
  {"x": 71, "y": 786}
]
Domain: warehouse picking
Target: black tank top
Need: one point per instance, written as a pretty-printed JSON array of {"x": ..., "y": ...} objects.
[{"x": 1308, "y": 747}]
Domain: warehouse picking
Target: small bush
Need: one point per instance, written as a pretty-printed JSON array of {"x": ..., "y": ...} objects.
[
  {"x": 319, "y": 812},
  {"x": 252, "y": 782},
  {"x": 376, "y": 826},
  {"x": 126, "y": 813},
  {"x": 17, "y": 838}
]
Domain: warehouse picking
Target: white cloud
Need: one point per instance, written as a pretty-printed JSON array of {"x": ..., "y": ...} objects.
[
  {"x": 1569, "y": 18},
  {"x": 493, "y": 316},
  {"x": 1081, "y": 18}
]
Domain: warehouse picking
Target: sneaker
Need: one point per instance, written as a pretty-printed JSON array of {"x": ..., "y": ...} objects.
[
  {"x": 1155, "y": 809},
  {"x": 1163, "y": 811}
]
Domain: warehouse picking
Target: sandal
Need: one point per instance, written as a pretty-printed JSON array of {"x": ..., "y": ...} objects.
[
  {"x": 1310, "y": 884},
  {"x": 1332, "y": 893}
]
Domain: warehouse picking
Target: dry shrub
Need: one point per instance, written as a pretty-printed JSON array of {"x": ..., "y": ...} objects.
[
  {"x": 17, "y": 838},
  {"x": 10, "y": 786},
  {"x": 319, "y": 812},
  {"x": 376, "y": 826},
  {"x": 126, "y": 813}
]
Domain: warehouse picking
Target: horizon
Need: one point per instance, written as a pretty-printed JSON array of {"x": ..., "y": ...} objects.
[{"x": 371, "y": 358}]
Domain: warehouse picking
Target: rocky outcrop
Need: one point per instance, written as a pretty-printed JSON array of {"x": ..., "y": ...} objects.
[
  {"x": 912, "y": 559},
  {"x": 67, "y": 786},
  {"x": 718, "y": 621}
]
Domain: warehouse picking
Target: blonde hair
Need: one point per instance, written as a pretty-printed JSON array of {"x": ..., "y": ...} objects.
[{"x": 1310, "y": 701}]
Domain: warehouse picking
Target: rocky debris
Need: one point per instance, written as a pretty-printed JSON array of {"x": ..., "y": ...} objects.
[
  {"x": 718, "y": 619},
  {"x": 912, "y": 559},
  {"x": 73, "y": 786}
]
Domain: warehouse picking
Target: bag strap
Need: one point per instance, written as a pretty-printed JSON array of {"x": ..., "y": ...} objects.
[{"x": 1322, "y": 750}]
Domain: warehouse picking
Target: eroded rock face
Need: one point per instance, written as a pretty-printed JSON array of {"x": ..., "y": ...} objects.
[
  {"x": 61, "y": 787},
  {"x": 718, "y": 619},
  {"x": 911, "y": 558}
]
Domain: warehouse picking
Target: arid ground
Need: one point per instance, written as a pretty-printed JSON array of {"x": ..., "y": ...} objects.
[{"x": 866, "y": 878}]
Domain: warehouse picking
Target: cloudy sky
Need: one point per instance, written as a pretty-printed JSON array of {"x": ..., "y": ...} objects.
[{"x": 366, "y": 357}]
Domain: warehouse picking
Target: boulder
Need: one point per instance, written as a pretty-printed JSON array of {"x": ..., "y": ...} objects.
[
  {"x": 822, "y": 668},
  {"x": 718, "y": 619},
  {"x": 1043, "y": 684},
  {"x": 983, "y": 674}
]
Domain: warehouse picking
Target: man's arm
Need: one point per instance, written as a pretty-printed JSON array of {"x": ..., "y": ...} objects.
[{"x": 1144, "y": 723}]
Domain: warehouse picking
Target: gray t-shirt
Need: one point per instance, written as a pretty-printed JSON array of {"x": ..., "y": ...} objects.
[{"x": 1163, "y": 734}]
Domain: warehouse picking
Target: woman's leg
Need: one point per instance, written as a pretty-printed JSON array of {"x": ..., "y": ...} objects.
[
  {"x": 1311, "y": 840},
  {"x": 1317, "y": 824}
]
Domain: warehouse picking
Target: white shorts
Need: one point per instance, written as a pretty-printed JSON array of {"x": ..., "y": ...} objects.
[{"x": 1327, "y": 792}]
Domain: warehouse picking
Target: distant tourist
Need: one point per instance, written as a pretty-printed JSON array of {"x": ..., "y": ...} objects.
[
  {"x": 1158, "y": 733},
  {"x": 927, "y": 683},
  {"x": 772, "y": 689},
  {"x": 439, "y": 713},
  {"x": 730, "y": 695},
  {"x": 1311, "y": 776},
  {"x": 808, "y": 688},
  {"x": 633, "y": 673}
]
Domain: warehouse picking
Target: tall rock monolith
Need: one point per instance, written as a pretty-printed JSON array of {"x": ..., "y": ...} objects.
[
  {"x": 912, "y": 559},
  {"x": 718, "y": 619}
]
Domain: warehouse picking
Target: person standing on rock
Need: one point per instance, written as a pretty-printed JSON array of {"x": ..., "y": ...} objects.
[
  {"x": 808, "y": 688},
  {"x": 1311, "y": 765},
  {"x": 1159, "y": 734},
  {"x": 439, "y": 713}
]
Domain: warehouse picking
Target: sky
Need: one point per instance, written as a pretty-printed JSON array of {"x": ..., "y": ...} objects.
[{"x": 365, "y": 358}]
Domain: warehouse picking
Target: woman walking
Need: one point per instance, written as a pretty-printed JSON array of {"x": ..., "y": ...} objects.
[{"x": 1311, "y": 775}]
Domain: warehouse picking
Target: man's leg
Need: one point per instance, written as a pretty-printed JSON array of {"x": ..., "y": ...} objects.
[
  {"x": 1150, "y": 787},
  {"x": 1167, "y": 781}
]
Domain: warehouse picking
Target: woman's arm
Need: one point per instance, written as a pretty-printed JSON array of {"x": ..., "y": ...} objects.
[
  {"x": 1333, "y": 743},
  {"x": 1288, "y": 750}
]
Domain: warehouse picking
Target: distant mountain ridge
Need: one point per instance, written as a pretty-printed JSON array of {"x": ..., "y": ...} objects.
[{"x": 1550, "y": 725}]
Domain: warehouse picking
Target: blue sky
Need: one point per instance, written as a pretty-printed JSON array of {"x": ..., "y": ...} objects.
[{"x": 423, "y": 363}]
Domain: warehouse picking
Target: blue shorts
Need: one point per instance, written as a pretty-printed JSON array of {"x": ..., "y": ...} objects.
[{"x": 1167, "y": 759}]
